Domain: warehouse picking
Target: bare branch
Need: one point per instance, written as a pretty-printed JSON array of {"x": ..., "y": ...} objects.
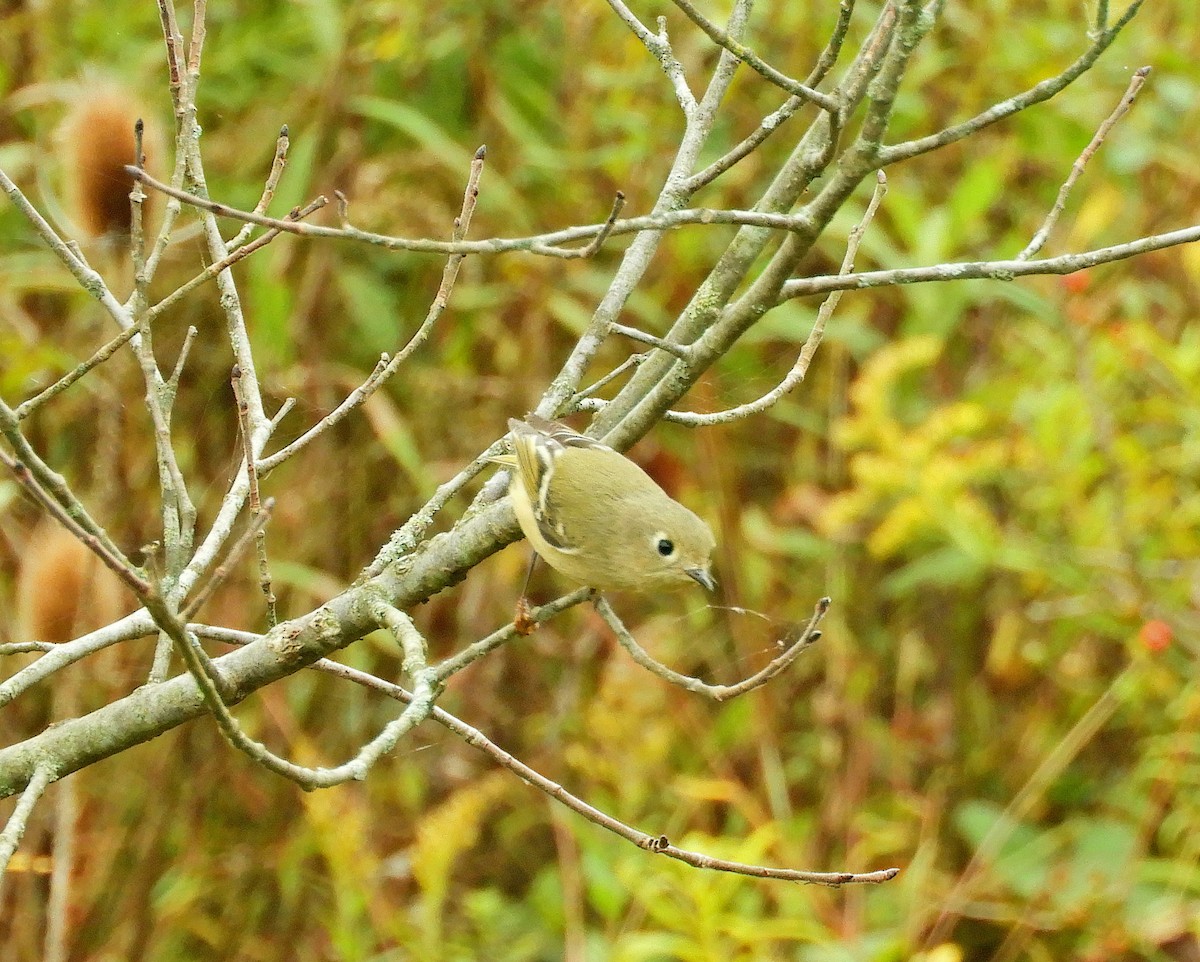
[
  {"x": 185, "y": 351},
  {"x": 630, "y": 362},
  {"x": 72, "y": 259},
  {"x": 26, "y": 647},
  {"x": 61, "y": 655},
  {"x": 657, "y": 844},
  {"x": 1039, "y": 239},
  {"x": 548, "y": 244},
  {"x": 678, "y": 350},
  {"x": 833, "y": 48},
  {"x": 990, "y": 270},
  {"x": 804, "y": 638},
  {"x": 755, "y": 62},
  {"x": 257, "y": 509},
  {"x": 474, "y": 652},
  {"x": 258, "y": 523},
  {"x": 14, "y": 829},
  {"x": 235, "y": 255},
  {"x": 659, "y": 46},
  {"x": 387, "y": 367},
  {"x": 51, "y": 491},
  {"x": 772, "y": 122},
  {"x": 1006, "y": 108},
  {"x": 26, "y": 408},
  {"x": 598, "y": 241},
  {"x": 278, "y": 163},
  {"x": 807, "y": 352}
]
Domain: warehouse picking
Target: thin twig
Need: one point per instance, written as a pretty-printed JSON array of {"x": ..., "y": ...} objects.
[
  {"x": 1131, "y": 92},
  {"x": 405, "y": 538},
  {"x": 26, "y": 408},
  {"x": 809, "y": 349},
  {"x": 548, "y": 244},
  {"x": 772, "y": 122},
  {"x": 255, "y": 502},
  {"x": 278, "y": 163},
  {"x": 237, "y": 254},
  {"x": 14, "y": 829},
  {"x": 658, "y": 844},
  {"x": 62, "y": 655},
  {"x": 72, "y": 259},
  {"x": 632, "y": 361},
  {"x": 990, "y": 270},
  {"x": 199, "y": 19},
  {"x": 418, "y": 709},
  {"x": 26, "y": 647},
  {"x": 833, "y": 48},
  {"x": 680, "y": 351},
  {"x": 755, "y": 62},
  {"x": 474, "y": 652},
  {"x": 179, "y": 512},
  {"x": 387, "y": 367},
  {"x": 659, "y": 46},
  {"x": 598, "y": 241},
  {"x": 1006, "y": 108},
  {"x": 806, "y": 637},
  {"x": 259, "y": 521},
  {"x": 185, "y": 351},
  {"x": 137, "y": 237},
  {"x": 98, "y": 543}
]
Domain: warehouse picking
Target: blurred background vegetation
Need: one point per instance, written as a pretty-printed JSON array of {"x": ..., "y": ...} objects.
[{"x": 996, "y": 483}]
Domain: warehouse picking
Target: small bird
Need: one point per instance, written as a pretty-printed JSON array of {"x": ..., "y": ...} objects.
[{"x": 598, "y": 518}]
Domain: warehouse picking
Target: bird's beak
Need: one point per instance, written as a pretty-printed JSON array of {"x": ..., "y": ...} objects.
[{"x": 703, "y": 576}]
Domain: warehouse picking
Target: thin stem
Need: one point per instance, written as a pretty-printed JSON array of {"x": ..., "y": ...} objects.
[
  {"x": 677, "y": 350},
  {"x": 1006, "y": 108},
  {"x": 235, "y": 255},
  {"x": 26, "y": 408},
  {"x": 258, "y": 523},
  {"x": 659, "y": 46},
  {"x": 255, "y": 502},
  {"x": 474, "y": 652},
  {"x": 387, "y": 367},
  {"x": 1043, "y": 232},
  {"x": 833, "y": 48},
  {"x": 278, "y": 163},
  {"x": 805, "y": 637},
  {"x": 754, "y": 61},
  {"x": 98, "y": 542},
  {"x": 630, "y": 362},
  {"x": 809, "y": 350},
  {"x": 548, "y": 244},
  {"x": 658, "y": 844},
  {"x": 991, "y": 270},
  {"x": 14, "y": 829}
]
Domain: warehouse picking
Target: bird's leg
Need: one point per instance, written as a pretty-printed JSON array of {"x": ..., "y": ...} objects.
[{"x": 524, "y": 624}]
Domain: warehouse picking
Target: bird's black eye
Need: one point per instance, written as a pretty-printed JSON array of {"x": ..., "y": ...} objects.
[{"x": 665, "y": 547}]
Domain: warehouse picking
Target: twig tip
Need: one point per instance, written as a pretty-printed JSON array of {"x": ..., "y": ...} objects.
[{"x": 481, "y": 152}]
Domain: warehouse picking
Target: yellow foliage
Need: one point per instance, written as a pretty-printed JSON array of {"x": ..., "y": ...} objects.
[{"x": 445, "y": 833}]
